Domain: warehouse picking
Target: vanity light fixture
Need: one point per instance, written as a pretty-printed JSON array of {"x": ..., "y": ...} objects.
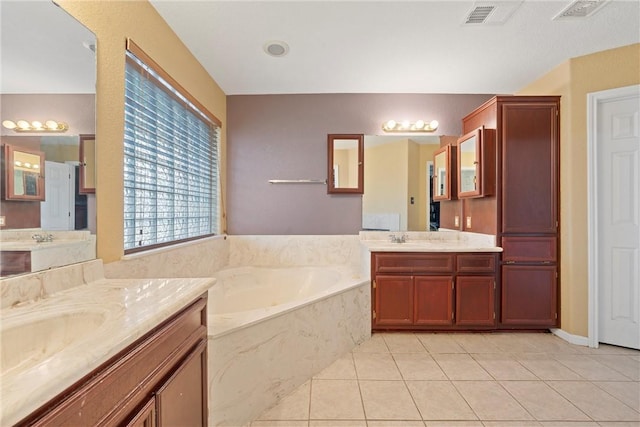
[
  {"x": 407, "y": 126},
  {"x": 26, "y": 165},
  {"x": 35, "y": 126}
]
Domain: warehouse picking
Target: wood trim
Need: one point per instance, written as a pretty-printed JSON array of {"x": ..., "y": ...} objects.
[
  {"x": 83, "y": 166},
  {"x": 140, "y": 54}
]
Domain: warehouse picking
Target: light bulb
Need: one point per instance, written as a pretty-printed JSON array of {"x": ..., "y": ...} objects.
[
  {"x": 9, "y": 124},
  {"x": 433, "y": 124},
  {"x": 36, "y": 166},
  {"x": 36, "y": 124},
  {"x": 27, "y": 164},
  {"x": 51, "y": 124},
  {"x": 419, "y": 124},
  {"x": 23, "y": 124},
  {"x": 18, "y": 163},
  {"x": 390, "y": 125},
  {"x": 406, "y": 124}
]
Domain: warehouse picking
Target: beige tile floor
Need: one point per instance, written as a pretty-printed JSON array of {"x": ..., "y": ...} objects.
[{"x": 468, "y": 380}]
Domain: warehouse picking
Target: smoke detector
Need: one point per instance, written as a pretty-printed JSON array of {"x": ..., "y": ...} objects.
[
  {"x": 276, "y": 48},
  {"x": 491, "y": 12},
  {"x": 580, "y": 9}
]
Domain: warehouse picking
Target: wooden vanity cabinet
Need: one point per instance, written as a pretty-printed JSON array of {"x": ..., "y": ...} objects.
[
  {"x": 160, "y": 380},
  {"x": 433, "y": 291}
]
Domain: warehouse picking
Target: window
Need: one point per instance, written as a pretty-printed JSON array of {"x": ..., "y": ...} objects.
[{"x": 170, "y": 159}]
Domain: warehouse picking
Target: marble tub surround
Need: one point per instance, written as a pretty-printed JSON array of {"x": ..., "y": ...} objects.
[
  {"x": 296, "y": 250},
  {"x": 65, "y": 247},
  {"x": 245, "y": 295},
  {"x": 88, "y": 325},
  {"x": 30, "y": 287},
  {"x": 429, "y": 241},
  {"x": 252, "y": 368},
  {"x": 198, "y": 258}
]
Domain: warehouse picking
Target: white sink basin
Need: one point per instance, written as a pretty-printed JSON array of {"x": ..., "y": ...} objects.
[{"x": 28, "y": 340}]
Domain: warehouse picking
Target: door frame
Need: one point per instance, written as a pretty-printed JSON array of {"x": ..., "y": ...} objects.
[{"x": 594, "y": 99}]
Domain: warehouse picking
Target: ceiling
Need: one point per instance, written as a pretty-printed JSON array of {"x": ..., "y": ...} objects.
[
  {"x": 335, "y": 46},
  {"x": 390, "y": 47}
]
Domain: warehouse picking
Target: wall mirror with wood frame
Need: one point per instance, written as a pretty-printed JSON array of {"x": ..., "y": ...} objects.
[
  {"x": 476, "y": 163},
  {"x": 345, "y": 174},
  {"x": 443, "y": 178},
  {"x": 469, "y": 166},
  {"x": 23, "y": 174}
]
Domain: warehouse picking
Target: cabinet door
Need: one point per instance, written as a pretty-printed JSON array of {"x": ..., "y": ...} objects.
[
  {"x": 433, "y": 300},
  {"x": 393, "y": 300},
  {"x": 475, "y": 296},
  {"x": 181, "y": 401},
  {"x": 530, "y": 167},
  {"x": 529, "y": 295},
  {"x": 145, "y": 417}
]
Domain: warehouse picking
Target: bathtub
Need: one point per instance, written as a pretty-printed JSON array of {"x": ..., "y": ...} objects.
[{"x": 272, "y": 328}]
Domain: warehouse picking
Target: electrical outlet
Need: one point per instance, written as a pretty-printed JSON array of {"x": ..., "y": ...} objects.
[
  {"x": 2, "y": 221},
  {"x": 456, "y": 221},
  {"x": 468, "y": 222}
]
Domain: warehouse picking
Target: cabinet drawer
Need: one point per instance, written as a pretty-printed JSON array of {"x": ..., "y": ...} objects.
[
  {"x": 412, "y": 263},
  {"x": 529, "y": 249},
  {"x": 476, "y": 263},
  {"x": 12, "y": 262}
]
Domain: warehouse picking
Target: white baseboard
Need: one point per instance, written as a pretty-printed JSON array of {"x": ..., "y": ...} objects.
[{"x": 570, "y": 338}]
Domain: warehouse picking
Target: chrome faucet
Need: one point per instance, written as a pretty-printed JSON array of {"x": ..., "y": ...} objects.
[
  {"x": 40, "y": 238},
  {"x": 398, "y": 239}
]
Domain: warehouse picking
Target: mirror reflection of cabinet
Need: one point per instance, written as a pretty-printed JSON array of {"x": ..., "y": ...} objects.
[
  {"x": 476, "y": 163},
  {"x": 345, "y": 163},
  {"x": 24, "y": 173},
  {"x": 443, "y": 179},
  {"x": 87, "y": 164}
]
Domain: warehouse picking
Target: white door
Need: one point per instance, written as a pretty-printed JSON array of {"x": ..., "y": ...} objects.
[
  {"x": 617, "y": 211},
  {"x": 57, "y": 212}
]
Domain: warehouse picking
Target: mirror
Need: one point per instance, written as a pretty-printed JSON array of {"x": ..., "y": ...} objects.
[
  {"x": 442, "y": 173},
  {"x": 398, "y": 176},
  {"x": 345, "y": 164},
  {"x": 24, "y": 174},
  {"x": 469, "y": 167},
  {"x": 48, "y": 73}
]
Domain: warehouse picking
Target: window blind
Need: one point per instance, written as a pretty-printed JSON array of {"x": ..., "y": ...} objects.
[{"x": 170, "y": 163}]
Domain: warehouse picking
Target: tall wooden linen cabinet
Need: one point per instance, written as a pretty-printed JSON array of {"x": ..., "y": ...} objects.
[{"x": 525, "y": 205}]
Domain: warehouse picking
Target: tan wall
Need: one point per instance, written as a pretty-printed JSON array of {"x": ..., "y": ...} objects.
[
  {"x": 413, "y": 187},
  {"x": 426, "y": 155},
  {"x": 385, "y": 175},
  {"x": 113, "y": 22},
  {"x": 573, "y": 80},
  {"x": 353, "y": 168}
]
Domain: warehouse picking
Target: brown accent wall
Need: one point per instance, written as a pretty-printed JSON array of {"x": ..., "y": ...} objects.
[{"x": 285, "y": 137}]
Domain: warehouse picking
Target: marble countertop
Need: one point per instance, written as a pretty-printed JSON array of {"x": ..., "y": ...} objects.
[
  {"x": 428, "y": 246},
  {"x": 32, "y": 245},
  {"x": 429, "y": 241},
  {"x": 49, "y": 344}
]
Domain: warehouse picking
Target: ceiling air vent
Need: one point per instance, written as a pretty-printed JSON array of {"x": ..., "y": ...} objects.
[
  {"x": 495, "y": 12},
  {"x": 479, "y": 14},
  {"x": 580, "y": 9}
]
